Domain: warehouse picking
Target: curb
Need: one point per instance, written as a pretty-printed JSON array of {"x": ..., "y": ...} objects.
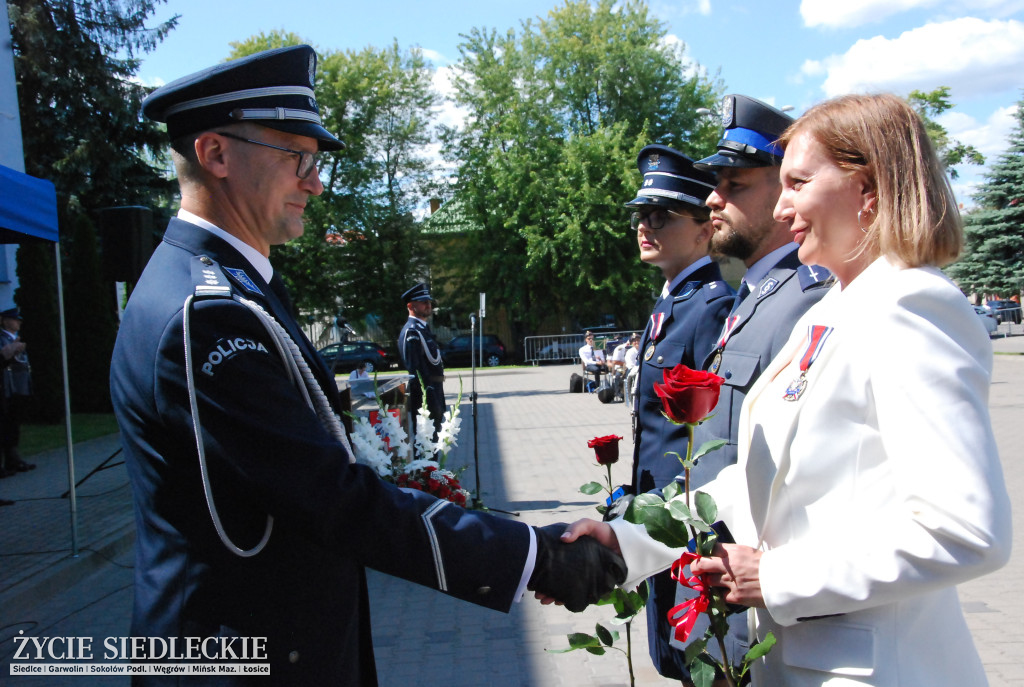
[{"x": 26, "y": 595}]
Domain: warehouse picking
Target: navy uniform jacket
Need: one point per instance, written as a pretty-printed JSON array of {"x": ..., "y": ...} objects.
[
  {"x": 268, "y": 454},
  {"x": 693, "y": 315},
  {"x": 422, "y": 358},
  {"x": 764, "y": 322}
]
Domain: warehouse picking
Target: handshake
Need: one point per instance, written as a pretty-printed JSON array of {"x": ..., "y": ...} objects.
[{"x": 575, "y": 574}]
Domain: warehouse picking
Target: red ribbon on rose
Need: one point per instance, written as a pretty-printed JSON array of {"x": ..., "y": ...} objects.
[
  {"x": 684, "y": 616},
  {"x": 688, "y": 396},
  {"x": 606, "y": 449}
]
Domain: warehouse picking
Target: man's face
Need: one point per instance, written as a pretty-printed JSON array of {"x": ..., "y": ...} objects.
[
  {"x": 421, "y": 309},
  {"x": 263, "y": 188},
  {"x": 680, "y": 241},
  {"x": 741, "y": 213}
]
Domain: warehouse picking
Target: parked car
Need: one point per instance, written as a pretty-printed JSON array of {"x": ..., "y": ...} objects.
[
  {"x": 1004, "y": 311},
  {"x": 991, "y": 325},
  {"x": 345, "y": 357},
  {"x": 457, "y": 353}
]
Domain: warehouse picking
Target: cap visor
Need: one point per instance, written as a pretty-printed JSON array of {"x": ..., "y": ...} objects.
[
  {"x": 709, "y": 164},
  {"x": 326, "y": 141}
]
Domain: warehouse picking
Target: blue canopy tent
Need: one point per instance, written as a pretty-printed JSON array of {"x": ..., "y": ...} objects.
[{"x": 28, "y": 212}]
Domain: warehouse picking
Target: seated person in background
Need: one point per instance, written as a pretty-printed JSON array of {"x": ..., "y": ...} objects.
[
  {"x": 617, "y": 363},
  {"x": 632, "y": 356},
  {"x": 592, "y": 358},
  {"x": 359, "y": 381}
]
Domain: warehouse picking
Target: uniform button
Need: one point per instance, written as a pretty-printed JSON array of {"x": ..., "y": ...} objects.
[
  {"x": 728, "y": 374},
  {"x": 205, "y": 260},
  {"x": 293, "y": 656},
  {"x": 661, "y": 359},
  {"x": 483, "y": 590}
]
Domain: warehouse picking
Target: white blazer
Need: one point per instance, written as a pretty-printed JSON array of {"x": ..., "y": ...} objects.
[{"x": 873, "y": 494}]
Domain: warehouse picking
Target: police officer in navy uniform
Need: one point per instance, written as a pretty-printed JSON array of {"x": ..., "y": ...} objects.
[
  {"x": 252, "y": 521},
  {"x": 774, "y": 292},
  {"x": 673, "y": 233},
  {"x": 421, "y": 355}
]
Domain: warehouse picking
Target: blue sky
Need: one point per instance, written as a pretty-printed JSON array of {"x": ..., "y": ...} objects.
[{"x": 787, "y": 52}]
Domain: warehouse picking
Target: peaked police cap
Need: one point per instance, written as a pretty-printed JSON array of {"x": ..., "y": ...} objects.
[
  {"x": 273, "y": 88},
  {"x": 420, "y": 292},
  {"x": 751, "y": 130},
  {"x": 670, "y": 179}
]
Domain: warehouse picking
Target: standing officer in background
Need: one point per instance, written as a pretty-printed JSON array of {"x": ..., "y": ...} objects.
[
  {"x": 17, "y": 387},
  {"x": 421, "y": 355},
  {"x": 252, "y": 521},
  {"x": 774, "y": 292},
  {"x": 673, "y": 233}
]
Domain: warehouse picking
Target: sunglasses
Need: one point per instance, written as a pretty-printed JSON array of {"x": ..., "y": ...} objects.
[{"x": 654, "y": 219}]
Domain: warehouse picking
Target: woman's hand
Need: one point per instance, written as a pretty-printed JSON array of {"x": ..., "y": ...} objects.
[{"x": 737, "y": 569}]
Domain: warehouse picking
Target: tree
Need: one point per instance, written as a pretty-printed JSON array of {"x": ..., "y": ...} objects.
[
  {"x": 950, "y": 151},
  {"x": 75, "y": 62},
  {"x": 993, "y": 259},
  {"x": 557, "y": 115}
]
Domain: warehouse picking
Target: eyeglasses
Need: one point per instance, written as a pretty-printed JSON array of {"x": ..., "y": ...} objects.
[
  {"x": 307, "y": 161},
  {"x": 654, "y": 219}
]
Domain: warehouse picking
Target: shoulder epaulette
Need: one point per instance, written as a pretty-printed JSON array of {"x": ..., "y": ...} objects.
[{"x": 813, "y": 276}]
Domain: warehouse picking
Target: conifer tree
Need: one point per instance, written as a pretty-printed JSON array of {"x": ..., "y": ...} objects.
[{"x": 993, "y": 259}]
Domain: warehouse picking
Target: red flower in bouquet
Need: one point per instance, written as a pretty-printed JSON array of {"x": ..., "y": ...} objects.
[
  {"x": 688, "y": 396},
  {"x": 606, "y": 449}
]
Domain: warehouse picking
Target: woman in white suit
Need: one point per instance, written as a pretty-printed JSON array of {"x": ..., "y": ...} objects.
[{"x": 868, "y": 483}]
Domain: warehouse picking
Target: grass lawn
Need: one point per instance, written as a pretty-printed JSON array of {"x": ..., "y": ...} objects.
[{"x": 84, "y": 426}]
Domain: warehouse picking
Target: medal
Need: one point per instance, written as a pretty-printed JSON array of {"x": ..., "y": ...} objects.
[
  {"x": 649, "y": 353},
  {"x": 816, "y": 337},
  {"x": 716, "y": 363}
]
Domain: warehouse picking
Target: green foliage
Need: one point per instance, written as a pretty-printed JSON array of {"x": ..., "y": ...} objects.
[
  {"x": 993, "y": 259},
  {"x": 557, "y": 115},
  {"x": 950, "y": 151}
]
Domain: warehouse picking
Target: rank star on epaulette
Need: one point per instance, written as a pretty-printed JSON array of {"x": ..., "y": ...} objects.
[{"x": 242, "y": 278}]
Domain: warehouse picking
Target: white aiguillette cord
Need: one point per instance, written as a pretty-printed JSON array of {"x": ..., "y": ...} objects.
[{"x": 300, "y": 376}]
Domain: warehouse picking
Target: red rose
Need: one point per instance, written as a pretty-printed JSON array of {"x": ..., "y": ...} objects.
[
  {"x": 688, "y": 396},
  {"x": 606, "y": 449}
]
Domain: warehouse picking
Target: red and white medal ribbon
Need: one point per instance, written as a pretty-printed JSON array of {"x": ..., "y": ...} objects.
[
  {"x": 657, "y": 320},
  {"x": 817, "y": 334}
]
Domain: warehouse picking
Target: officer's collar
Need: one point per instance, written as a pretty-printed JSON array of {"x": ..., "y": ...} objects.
[
  {"x": 259, "y": 262},
  {"x": 756, "y": 272},
  {"x": 678, "y": 279}
]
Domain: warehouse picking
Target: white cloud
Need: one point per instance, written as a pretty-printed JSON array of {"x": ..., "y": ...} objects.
[
  {"x": 991, "y": 138},
  {"x": 448, "y": 113},
  {"x": 853, "y": 13},
  {"x": 434, "y": 56},
  {"x": 969, "y": 55},
  {"x": 679, "y": 8}
]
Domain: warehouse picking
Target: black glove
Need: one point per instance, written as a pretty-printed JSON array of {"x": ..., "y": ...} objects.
[
  {"x": 617, "y": 508},
  {"x": 576, "y": 574}
]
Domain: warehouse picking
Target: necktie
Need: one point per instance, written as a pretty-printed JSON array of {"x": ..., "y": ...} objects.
[{"x": 743, "y": 292}]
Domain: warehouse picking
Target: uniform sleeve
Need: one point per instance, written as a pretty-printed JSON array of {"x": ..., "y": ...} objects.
[
  {"x": 267, "y": 450},
  {"x": 948, "y": 518}
]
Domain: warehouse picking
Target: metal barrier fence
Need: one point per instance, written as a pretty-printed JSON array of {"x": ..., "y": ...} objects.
[{"x": 566, "y": 347}]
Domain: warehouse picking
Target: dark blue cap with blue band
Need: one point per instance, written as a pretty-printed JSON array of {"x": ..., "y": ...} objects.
[{"x": 751, "y": 130}]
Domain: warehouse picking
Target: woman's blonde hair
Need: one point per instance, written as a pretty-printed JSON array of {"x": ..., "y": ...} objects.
[{"x": 916, "y": 219}]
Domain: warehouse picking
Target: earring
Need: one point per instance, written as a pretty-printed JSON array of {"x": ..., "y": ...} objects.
[{"x": 859, "y": 224}]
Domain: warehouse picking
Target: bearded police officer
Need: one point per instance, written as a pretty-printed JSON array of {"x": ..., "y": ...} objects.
[
  {"x": 774, "y": 292},
  {"x": 421, "y": 355},
  {"x": 252, "y": 520}
]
